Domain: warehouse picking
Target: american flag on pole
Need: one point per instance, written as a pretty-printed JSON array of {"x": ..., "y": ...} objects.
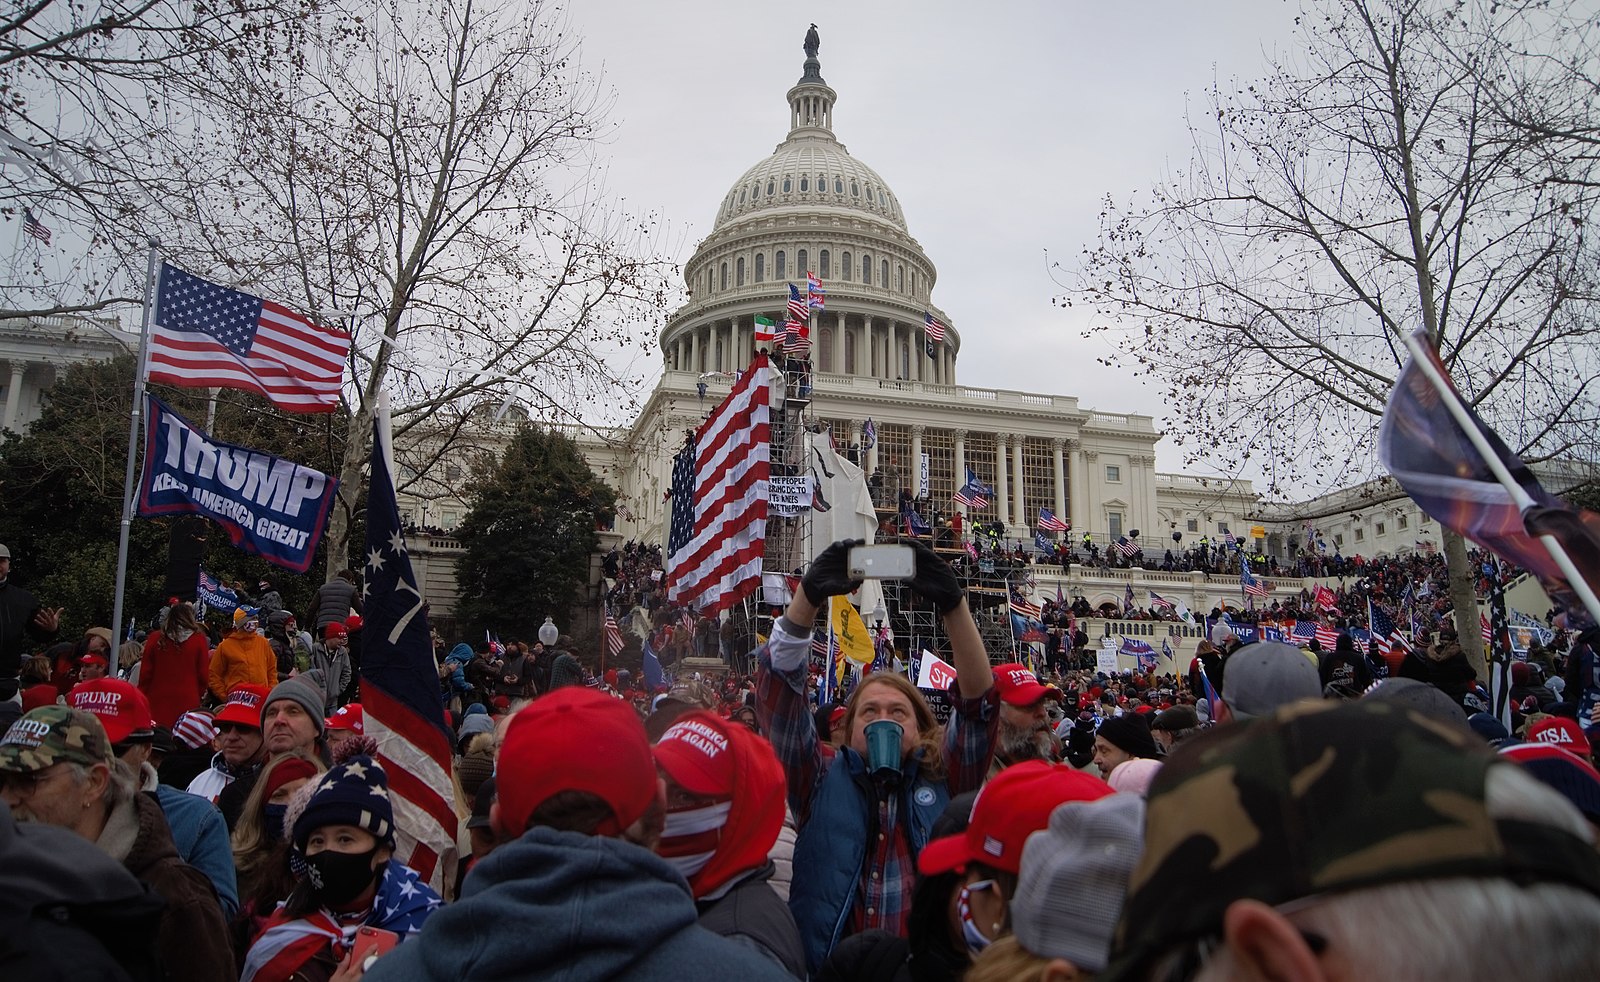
[
  {"x": 1158, "y": 602},
  {"x": 1327, "y": 636},
  {"x": 796, "y": 338},
  {"x": 207, "y": 335},
  {"x": 1050, "y": 523},
  {"x": 815, "y": 294},
  {"x": 1381, "y": 626},
  {"x": 717, "y": 540},
  {"x": 613, "y": 636},
  {"x": 973, "y": 494},
  {"x": 799, "y": 310},
  {"x": 932, "y": 327},
  {"x": 1125, "y": 547},
  {"x": 33, "y": 228},
  {"x": 400, "y": 682},
  {"x": 1227, "y": 536},
  {"x": 1253, "y": 585},
  {"x": 1022, "y": 607}
]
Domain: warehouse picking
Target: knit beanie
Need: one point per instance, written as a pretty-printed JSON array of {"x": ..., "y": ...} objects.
[
  {"x": 1130, "y": 734},
  {"x": 300, "y": 690},
  {"x": 474, "y": 768},
  {"x": 356, "y": 793}
]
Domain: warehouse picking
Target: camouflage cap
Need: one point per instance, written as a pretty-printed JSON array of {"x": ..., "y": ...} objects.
[
  {"x": 1317, "y": 798},
  {"x": 52, "y": 735}
]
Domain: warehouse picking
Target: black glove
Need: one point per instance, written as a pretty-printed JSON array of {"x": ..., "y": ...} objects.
[
  {"x": 935, "y": 580},
  {"x": 829, "y": 573}
]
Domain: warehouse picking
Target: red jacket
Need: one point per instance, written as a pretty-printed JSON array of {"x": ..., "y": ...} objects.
[{"x": 173, "y": 676}]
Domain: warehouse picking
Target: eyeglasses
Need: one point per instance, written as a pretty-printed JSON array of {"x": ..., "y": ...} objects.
[
  {"x": 1186, "y": 963},
  {"x": 236, "y": 728},
  {"x": 23, "y": 785}
]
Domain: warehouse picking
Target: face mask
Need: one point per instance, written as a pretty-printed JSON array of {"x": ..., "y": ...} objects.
[
  {"x": 339, "y": 877},
  {"x": 973, "y": 937},
  {"x": 272, "y": 820},
  {"x": 690, "y": 836}
]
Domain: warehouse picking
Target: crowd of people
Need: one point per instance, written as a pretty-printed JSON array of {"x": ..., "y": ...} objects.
[{"x": 215, "y": 810}]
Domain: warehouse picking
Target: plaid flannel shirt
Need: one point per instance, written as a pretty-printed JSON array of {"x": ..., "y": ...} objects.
[{"x": 883, "y": 894}]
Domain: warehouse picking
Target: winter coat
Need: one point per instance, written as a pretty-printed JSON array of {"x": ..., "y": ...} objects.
[
  {"x": 832, "y": 846},
  {"x": 200, "y": 836},
  {"x": 456, "y": 663},
  {"x": 192, "y": 939},
  {"x": 70, "y": 910},
  {"x": 565, "y": 894},
  {"x": 17, "y": 608},
  {"x": 243, "y": 657},
  {"x": 173, "y": 675},
  {"x": 334, "y": 663},
  {"x": 332, "y": 604},
  {"x": 750, "y": 910}
]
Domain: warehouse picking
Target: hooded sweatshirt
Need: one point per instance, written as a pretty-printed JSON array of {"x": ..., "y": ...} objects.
[
  {"x": 563, "y": 891},
  {"x": 731, "y": 889},
  {"x": 243, "y": 657}
]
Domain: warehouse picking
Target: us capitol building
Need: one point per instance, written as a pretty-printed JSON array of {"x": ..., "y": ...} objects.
[{"x": 810, "y": 205}]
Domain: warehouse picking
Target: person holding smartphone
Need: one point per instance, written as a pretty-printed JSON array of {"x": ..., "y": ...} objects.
[
  {"x": 354, "y": 900},
  {"x": 865, "y": 813}
]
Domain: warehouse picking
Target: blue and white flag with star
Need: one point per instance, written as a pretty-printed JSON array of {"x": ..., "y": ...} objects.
[{"x": 400, "y": 680}]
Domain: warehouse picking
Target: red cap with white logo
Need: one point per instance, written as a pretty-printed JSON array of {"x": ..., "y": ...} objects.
[
  {"x": 1020, "y": 687},
  {"x": 1561, "y": 732}
]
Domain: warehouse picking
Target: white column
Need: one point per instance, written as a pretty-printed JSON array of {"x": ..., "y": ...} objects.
[
  {"x": 916, "y": 461},
  {"x": 867, "y": 351},
  {"x": 1059, "y": 468},
  {"x": 960, "y": 476},
  {"x": 14, "y": 394},
  {"x": 894, "y": 349},
  {"x": 694, "y": 350},
  {"x": 838, "y": 343},
  {"x": 1019, "y": 500},
  {"x": 1077, "y": 495},
  {"x": 1000, "y": 481}
]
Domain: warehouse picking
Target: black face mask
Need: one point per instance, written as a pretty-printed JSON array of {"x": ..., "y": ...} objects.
[{"x": 339, "y": 877}]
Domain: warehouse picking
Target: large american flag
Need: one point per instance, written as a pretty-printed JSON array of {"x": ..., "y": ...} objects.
[
  {"x": 1125, "y": 547},
  {"x": 1050, "y": 522},
  {"x": 1327, "y": 636},
  {"x": 799, "y": 309},
  {"x": 932, "y": 327},
  {"x": 717, "y": 540},
  {"x": 205, "y": 335},
  {"x": 1382, "y": 629},
  {"x": 400, "y": 682}
]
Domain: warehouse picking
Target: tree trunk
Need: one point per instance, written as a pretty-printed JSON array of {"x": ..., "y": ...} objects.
[
  {"x": 341, "y": 517},
  {"x": 1465, "y": 599}
]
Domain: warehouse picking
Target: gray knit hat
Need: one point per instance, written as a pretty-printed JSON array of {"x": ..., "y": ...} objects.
[
  {"x": 1074, "y": 875},
  {"x": 300, "y": 690},
  {"x": 1263, "y": 676}
]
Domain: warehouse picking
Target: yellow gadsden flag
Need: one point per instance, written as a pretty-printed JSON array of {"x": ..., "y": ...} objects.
[{"x": 850, "y": 631}]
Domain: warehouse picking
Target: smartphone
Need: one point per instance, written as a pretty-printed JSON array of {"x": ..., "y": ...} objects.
[
  {"x": 888, "y": 562},
  {"x": 373, "y": 942}
]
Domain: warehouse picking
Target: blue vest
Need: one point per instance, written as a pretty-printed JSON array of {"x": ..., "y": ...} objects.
[{"x": 831, "y": 851}]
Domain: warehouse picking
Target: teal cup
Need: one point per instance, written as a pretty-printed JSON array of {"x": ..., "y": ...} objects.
[{"x": 883, "y": 746}]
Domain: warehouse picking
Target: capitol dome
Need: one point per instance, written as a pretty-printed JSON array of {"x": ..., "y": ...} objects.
[
  {"x": 810, "y": 172},
  {"x": 809, "y": 206}
]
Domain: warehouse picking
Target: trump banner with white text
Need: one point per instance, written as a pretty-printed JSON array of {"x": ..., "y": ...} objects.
[{"x": 269, "y": 506}]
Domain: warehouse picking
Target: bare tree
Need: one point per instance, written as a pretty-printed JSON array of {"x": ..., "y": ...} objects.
[
  {"x": 425, "y": 176},
  {"x": 1331, "y": 208},
  {"x": 84, "y": 87}
]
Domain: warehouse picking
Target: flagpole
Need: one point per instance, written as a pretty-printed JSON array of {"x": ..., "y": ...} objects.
[
  {"x": 1524, "y": 500},
  {"x": 135, "y": 414}
]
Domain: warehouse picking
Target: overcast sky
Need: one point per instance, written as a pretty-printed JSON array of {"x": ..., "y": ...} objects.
[{"x": 1001, "y": 132}]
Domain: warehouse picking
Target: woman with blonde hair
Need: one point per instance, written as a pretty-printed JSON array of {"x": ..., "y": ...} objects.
[{"x": 260, "y": 847}]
